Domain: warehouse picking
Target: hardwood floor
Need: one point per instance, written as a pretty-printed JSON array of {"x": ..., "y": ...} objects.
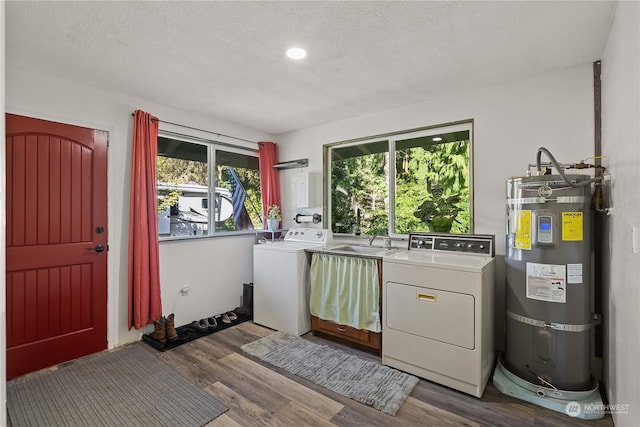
[{"x": 259, "y": 394}]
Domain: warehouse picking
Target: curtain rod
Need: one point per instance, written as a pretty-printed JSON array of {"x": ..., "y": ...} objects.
[{"x": 203, "y": 130}]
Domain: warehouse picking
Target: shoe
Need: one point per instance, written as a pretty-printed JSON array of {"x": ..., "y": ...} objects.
[
  {"x": 232, "y": 316},
  {"x": 242, "y": 311},
  {"x": 247, "y": 301},
  {"x": 170, "y": 329},
  {"x": 199, "y": 325},
  {"x": 159, "y": 333},
  {"x": 212, "y": 323},
  {"x": 225, "y": 318}
]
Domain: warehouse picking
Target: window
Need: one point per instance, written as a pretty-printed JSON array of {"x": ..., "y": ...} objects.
[
  {"x": 204, "y": 187},
  {"x": 402, "y": 182}
]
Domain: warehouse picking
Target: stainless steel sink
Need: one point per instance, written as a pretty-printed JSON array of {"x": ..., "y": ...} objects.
[
  {"x": 358, "y": 249},
  {"x": 362, "y": 250}
]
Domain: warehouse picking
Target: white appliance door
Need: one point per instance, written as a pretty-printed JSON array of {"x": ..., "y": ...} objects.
[
  {"x": 281, "y": 291},
  {"x": 429, "y": 313}
]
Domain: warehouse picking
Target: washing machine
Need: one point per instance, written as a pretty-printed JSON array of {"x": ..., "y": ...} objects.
[
  {"x": 281, "y": 280},
  {"x": 437, "y": 299}
]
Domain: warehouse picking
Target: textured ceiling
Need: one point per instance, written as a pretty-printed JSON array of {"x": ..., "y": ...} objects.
[{"x": 226, "y": 59}]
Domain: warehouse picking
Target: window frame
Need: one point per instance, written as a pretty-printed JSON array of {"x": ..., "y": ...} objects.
[
  {"x": 392, "y": 137},
  {"x": 213, "y": 147}
]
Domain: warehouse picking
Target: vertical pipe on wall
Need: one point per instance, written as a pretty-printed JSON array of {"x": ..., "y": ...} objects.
[
  {"x": 597, "y": 114},
  {"x": 598, "y": 221}
]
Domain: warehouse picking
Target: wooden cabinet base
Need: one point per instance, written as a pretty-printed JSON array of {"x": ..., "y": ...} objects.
[{"x": 371, "y": 340}]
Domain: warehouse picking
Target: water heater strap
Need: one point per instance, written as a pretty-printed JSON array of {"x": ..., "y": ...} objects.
[
  {"x": 555, "y": 326},
  {"x": 542, "y": 200},
  {"x": 526, "y": 201},
  {"x": 571, "y": 199}
]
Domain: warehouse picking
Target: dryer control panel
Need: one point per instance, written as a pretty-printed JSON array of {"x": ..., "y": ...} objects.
[{"x": 471, "y": 244}]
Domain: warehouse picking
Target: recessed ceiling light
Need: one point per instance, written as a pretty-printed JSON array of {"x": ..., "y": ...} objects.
[
  {"x": 296, "y": 53},
  {"x": 436, "y": 138}
]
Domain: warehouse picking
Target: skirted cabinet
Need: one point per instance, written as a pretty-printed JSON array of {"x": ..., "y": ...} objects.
[{"x": 346, "y": 297}]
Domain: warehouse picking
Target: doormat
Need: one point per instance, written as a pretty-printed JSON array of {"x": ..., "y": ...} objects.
[
  {"x": 125, "y": 387},
  {"x": 367, "y": 382},
  {"x": 187, "y": 334}
]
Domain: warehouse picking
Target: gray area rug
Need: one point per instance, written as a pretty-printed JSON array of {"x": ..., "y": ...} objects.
[
  {"x": 367, "y": 382},
  {"x": 125, "y": 387}
]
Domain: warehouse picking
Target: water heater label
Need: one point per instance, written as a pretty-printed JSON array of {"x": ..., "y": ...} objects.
[
  {"x": 523, "y": 230},
  {"x": 572, "y": 226},
  {"x": 547, "y": 282},
  {"x": 574, "y": 273}
]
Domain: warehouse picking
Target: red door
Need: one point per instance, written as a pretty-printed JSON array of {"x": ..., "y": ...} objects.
[{"x": 56, "y": 243}]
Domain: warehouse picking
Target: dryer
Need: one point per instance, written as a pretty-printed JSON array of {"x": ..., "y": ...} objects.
[{"x": 437, "y": 301}]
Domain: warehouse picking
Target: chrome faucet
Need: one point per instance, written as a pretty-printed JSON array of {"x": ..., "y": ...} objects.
[
  {"x": 372, "y": 238},
  {"x": 356, "y": 228}
]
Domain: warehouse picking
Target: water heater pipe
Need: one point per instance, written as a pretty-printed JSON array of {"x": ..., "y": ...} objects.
[{"x": 559, "y": 168}]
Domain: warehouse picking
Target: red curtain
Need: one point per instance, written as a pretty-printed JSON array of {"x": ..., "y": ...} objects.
[
  {"x": 269, "y": 178},
  {"x": 145, "y": 304}
]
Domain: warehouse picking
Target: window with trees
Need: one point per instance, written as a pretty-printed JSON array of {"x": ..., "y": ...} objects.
[
  {"x": 206, "y": 188},
  {"x": 418, "y": 180}
]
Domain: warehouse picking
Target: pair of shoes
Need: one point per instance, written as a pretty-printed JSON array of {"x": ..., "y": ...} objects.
[
  {"x": 211, "y": 322},
  {"x": 199, "y": 325},
  {"x": 164, "y": 329},
  {"x": 229, "y": 317}
]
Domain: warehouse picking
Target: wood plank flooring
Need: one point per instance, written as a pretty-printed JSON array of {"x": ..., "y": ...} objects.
[{"x": 259, "y": 394}]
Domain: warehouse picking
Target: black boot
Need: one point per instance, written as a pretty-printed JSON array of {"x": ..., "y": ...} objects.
[{"x": 247, "y": 301}]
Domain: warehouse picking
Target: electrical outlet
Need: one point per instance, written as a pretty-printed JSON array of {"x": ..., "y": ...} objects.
[{"x": 184, "y": 291}]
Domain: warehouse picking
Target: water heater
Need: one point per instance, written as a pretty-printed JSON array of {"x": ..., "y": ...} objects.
[{"x": 549, "y": 287}]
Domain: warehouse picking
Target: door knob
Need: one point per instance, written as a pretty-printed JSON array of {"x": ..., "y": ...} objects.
[{"x": 98, "y": 248}]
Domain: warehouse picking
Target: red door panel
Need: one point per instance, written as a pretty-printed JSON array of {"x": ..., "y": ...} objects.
[{"x": 56, "y": 217}]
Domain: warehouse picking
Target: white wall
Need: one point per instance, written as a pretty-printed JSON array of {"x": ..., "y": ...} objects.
[
  {"x": 225, "y": 263},
  {"x": 511, "y": 121},
  {"x": 554, "y": 110},
  {"x": 621, "y": 142},
  {"x": 214, "y": 270}
]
